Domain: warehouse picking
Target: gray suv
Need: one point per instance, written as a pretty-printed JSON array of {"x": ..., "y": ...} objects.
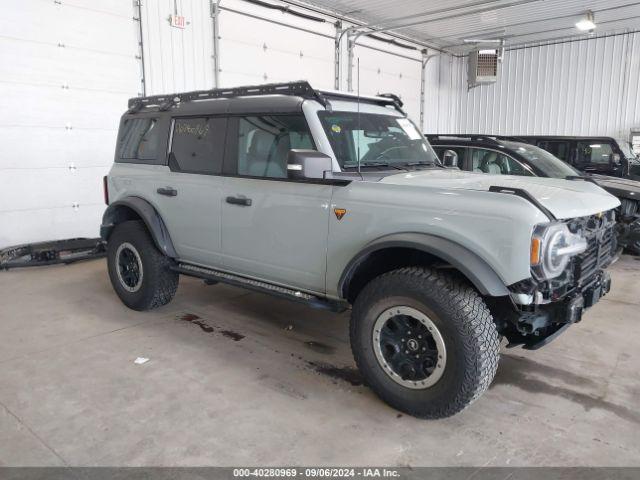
[{"x": 339, "y": 202}]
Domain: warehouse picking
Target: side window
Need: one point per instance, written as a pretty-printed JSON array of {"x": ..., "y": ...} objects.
[
  {"x": 557, "y": 149},
  {"x": 197, "y": 144},
  {"x": 594, "y": 152},
  {"x": 264, "y": 143},
  {"x": 461, "y": 151},
  {"x": 139, "y": 139},
  {"x": 496, "y": 163}
]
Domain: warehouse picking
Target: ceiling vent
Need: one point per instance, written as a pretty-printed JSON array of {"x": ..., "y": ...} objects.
[{"x": 483, "y": 66}]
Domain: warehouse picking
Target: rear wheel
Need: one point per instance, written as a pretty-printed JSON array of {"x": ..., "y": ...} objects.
[
  {"x": 424, "y": 341},
  {"x": 139, "y": 272}
]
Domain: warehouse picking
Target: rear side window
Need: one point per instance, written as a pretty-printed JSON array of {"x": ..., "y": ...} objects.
[
  {"x": 197, "y": 144},
  {"x": 139, "y": 138}
]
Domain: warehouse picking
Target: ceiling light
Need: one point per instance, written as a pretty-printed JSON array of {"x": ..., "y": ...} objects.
[{"x": 587, "y": 22}]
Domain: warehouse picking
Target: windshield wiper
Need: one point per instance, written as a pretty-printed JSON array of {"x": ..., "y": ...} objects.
[
  {"x": 373, "y": 164},
  {"x": 382, "y": 164},
  {"x": 420, "y": 162}
]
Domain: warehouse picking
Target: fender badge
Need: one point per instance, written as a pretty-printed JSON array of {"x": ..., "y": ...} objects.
[{"x": 340, "y": 212}]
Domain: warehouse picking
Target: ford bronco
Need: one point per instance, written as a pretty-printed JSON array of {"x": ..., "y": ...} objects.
[{"x": 338, "y": 201}]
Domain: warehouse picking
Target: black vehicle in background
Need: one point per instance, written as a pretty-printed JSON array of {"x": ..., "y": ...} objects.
[
  {"x": 601, "y": 155},
  {"x": 498, "y": 155}
]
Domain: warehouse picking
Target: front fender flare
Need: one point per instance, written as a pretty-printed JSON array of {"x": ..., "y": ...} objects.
[
  {"x": 149, "y": 215},
  {"x": 479, "y": 273}
]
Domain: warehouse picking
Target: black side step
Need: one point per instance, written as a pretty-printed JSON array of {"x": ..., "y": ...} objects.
[{"x": 258, "y": 286}]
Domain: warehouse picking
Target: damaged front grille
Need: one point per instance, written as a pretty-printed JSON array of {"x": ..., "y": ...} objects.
[{"x": 599, "y": 231}]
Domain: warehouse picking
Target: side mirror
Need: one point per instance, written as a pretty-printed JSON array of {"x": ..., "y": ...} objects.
[
  {"x": 308, "y": 164},
  {"x": 450, "y": 159}
]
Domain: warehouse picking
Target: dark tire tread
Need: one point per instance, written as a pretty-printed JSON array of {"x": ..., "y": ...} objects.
[
  {"x": 463, "y": 305},
  {"x": 159, "y": 282}
]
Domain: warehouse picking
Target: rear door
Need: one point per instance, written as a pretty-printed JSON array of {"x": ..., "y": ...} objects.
[
  {"x": 273, "y": 228},
  {"x": 189, "y": 195}
]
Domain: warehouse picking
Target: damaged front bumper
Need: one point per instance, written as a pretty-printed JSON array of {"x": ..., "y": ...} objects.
[{"x": 543, "y": 323}]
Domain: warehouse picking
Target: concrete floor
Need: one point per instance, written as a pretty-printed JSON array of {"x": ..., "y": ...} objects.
[{"x": 237, "y": 378}]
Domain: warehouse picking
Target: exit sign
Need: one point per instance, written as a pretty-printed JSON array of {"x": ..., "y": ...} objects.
[{"x": 177, "y": 21}]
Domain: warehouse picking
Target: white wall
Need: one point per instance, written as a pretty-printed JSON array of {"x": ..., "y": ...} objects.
[
  {"x": 66, "y": 71},
  {"x": 254, "y": 51},
  {"x": 68, "y": 68},
  {"x": 588, "y": 87}
]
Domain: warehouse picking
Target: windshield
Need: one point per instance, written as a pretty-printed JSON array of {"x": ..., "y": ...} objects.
[
  {"x": 541, "y": 159},
  {"x": 375, "y": 140}
]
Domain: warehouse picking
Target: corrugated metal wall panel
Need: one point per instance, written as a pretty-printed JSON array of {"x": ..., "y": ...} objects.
[
  {"x": 445, "y": 77},
  {"x": 588, "y": 87}
]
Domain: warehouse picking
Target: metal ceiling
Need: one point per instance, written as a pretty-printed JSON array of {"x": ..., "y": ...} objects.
[{"x": 446, "y": 24}]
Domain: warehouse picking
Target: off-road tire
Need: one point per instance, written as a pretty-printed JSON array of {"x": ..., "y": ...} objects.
[
  {"x": 464, "y": 322},
  {"x": 158, "y": 283}
]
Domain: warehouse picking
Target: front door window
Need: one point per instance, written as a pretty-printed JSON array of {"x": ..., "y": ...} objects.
[{"x": 497, "y": 163}]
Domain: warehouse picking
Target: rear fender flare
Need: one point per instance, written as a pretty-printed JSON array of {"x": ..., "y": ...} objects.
[{"x": 115, "y": 214}]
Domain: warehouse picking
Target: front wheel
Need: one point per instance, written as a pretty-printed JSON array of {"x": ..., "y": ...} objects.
[
  {"x": 139, "y": 272},
  {"x": 424, "y": 341}
]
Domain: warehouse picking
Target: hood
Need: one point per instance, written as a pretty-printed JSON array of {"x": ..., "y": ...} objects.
[
  {"x": 564, "y": 198},
  {"x": 620, "y": 187}
]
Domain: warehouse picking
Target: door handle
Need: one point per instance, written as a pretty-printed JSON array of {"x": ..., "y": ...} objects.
[
  {"x": 242, "y": 201},
  {"x": 168, "y": 191}
]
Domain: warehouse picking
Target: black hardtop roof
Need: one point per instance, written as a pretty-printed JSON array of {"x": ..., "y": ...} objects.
[
  {"x": 270, "y": 97},
  {"x": 485, "y": 138},
  {"x": 559, "y": 137},
  {"x": 465, "y": 139}
]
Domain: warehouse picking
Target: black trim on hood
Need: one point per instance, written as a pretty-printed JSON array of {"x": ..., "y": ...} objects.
[{"x": 519, "y": 192}]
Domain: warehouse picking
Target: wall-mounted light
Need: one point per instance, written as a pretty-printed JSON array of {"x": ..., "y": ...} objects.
[{"x": 587, "y": 22}]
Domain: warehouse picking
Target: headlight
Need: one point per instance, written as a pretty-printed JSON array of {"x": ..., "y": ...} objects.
[{"x": 552, "y": 246}]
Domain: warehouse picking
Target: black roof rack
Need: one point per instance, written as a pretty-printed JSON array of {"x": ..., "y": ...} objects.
[
  {"x": 164, "y": 102},
  {"x": 300, "y": 89},
  {"x": 473, "y": 137},
  {"x": 395, "y": 99}
]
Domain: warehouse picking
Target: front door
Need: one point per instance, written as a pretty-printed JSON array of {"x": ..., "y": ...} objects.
[{"x": 273, "y": 228}]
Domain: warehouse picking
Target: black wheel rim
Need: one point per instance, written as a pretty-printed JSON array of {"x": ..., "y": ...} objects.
[
  {"x": 129, "y": 267},
  {"x": 409, "y": 347}
]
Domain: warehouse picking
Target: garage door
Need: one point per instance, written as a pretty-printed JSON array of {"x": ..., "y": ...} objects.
[
  {"x": 67, "y": 71},
  {"x": 384, "y": 72},
  {"x": 254, "y": 50}
]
